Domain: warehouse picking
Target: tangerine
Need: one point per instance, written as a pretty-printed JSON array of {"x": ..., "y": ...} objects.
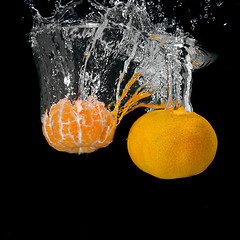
[
  {"x": 171, "y": 143},
  {"x": 78, "y": 127}
]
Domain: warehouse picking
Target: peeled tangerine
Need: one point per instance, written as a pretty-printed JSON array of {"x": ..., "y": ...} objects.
[
  {"x": 172, "y": 144},
  {"x": 78, "y": 127}
]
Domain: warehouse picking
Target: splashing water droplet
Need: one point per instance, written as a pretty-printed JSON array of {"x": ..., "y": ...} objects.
[{"x": 219, "y": 3}]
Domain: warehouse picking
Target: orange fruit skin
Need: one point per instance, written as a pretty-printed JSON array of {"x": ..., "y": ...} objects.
[
  {"x": 81, "y": 127},
  {"x": 171, "y": 144}
]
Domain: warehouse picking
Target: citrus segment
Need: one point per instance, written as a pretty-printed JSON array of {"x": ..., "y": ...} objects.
[
  {"x": 172, "y": 143},
  {"x": 78, "y": 127}
]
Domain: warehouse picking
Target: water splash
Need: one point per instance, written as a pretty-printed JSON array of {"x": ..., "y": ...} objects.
[{"x": 110, "y": 49}]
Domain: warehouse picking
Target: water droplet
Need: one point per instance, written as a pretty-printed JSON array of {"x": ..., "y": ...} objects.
[
  {"x": 86, "y": 55},
  {"x": 219, "y": 3}
]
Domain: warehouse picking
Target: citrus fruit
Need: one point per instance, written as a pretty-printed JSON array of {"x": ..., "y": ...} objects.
[
  {"x": 78, "y": 127},
  {"x": 171, "y": 143}
]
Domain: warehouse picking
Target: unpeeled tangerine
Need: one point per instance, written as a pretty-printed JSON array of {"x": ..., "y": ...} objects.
[{"x": 171, "y": 143}]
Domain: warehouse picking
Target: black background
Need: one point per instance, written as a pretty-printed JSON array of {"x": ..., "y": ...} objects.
[{"x": 47, "y": 193}]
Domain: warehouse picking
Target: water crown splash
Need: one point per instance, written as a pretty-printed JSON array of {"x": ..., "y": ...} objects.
[{"x": 113, "y": 57}]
